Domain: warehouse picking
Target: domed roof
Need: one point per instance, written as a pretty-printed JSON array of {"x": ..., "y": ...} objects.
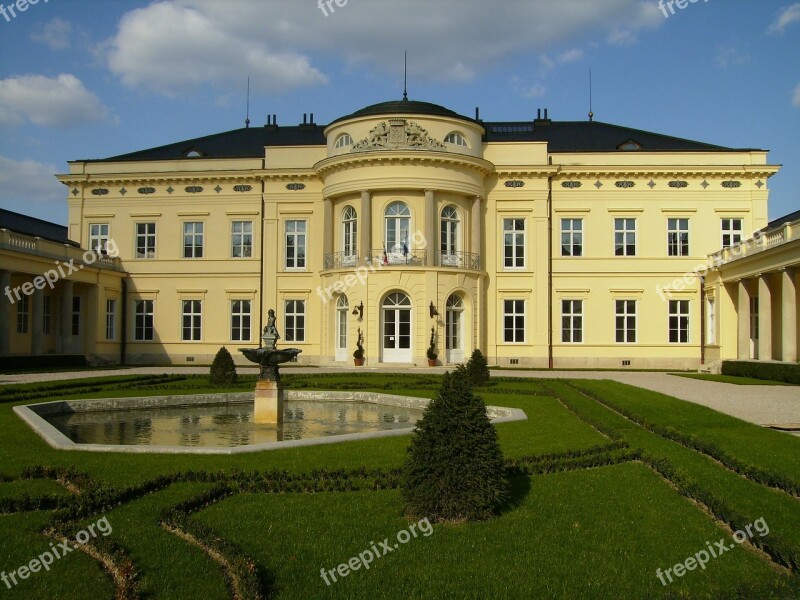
[{"x": 404, "y": 106}]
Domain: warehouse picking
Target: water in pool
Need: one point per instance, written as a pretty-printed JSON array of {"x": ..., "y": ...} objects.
[{"x": 230, "y": 424}]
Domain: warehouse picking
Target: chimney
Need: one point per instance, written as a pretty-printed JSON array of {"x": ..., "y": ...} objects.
[{"x": 542, "y": 122}]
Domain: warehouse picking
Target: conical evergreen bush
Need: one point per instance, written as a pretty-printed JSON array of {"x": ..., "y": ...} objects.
[
  {"x": 454, "y": 470},
  {"x": 477, "y": 369},
  {"x": 223, "y": 369}
]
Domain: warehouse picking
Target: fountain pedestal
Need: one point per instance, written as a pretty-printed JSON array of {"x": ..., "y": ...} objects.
[{"x": 268, "y": 406}]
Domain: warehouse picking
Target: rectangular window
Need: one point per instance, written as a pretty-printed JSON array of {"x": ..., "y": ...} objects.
[
  {"x": 242, "y": 239},
  {"x": 295, "y": 244},
  {"x": 143, "y": 321},
  {"x": 47, "y": 309},
  {"x": 625, "y": 237},
  {"x": 712, "y": 323},
  {"x": 111, "y": 319},
  {"x": 98, "y": 237},
  {"x": 76, "y": 315},
  {"x": 295, "y": 320},
  {"x": 240, "y": 320},
  {"x": 193, "y": 240},
  {"x": 731, "y": 232},
  {"x": 514, "y": 243},
  {"x": 572, "y": 321},
  {"x": 514, "y": 321},
  {"x": 145, "y": 240},
  {"x": 22, "y": 315},
  {"x": 678, "y": 321},
  {"x": 626, "y": 321},
  {"x": 678, "y": 237},
  {"x": 192, "y": 314},
  {"x": 571, "y": 237}
]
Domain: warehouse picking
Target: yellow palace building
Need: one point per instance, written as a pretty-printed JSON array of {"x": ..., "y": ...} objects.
[{"x": 543, "y": 243}]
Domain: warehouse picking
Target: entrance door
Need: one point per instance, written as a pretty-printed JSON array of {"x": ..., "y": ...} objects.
[
  {"x": 342, "y": 308},
  {"x": 396, "y": 339},
  {"x": 754, "y": 327},
  {"x": 454, "y": 329}
]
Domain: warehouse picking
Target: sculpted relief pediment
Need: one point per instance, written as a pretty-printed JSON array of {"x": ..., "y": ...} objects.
[{"x": 398, "y": 134}]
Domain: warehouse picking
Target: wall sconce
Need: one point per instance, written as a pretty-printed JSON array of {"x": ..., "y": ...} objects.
[
  {"x": 433, "y": 311},
  {"x": 359, "y": 311}
]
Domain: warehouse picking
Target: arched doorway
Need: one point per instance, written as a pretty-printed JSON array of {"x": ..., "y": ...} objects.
[
  {"x": 342, "y": 309},
  {"x": 396, "y": 322},
  {"x": 454, "y": 329}
]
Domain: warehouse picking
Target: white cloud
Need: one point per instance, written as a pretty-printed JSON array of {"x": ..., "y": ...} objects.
[
  {"x": 796, "y": 99},
  {"x": 29, "y": 182},
  {"x": 789, "y": 15},
  {"x": 174, "y": 46},
  {"x": 55, "y": 33},
  {"x": 536, "y": 90},
  {"x": 728, "y": 56},
  {"x": 46, "y": 101}
]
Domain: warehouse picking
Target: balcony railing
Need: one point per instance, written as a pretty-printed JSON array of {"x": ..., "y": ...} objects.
[
  {"x": 398, "y": 257},
  {"x": 36, "y": 246},
  {"x": 459, "y": 260},
  {"x": 758, "y": 243}
]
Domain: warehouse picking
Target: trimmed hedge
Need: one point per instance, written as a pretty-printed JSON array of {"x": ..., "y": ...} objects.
[
  {"x": 769, "y": 371},
  {"x": 42, "y": 361}
]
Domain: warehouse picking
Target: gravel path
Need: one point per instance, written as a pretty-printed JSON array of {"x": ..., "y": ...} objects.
[{"x": 760, "y": 404}]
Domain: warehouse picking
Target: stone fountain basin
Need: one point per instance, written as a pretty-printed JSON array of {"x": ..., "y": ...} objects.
[{"x": 35, "y": 415}]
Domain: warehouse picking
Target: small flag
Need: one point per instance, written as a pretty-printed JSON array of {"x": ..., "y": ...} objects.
[
  {"x": 405, "y": 249},
  {"x": 385, "y": 256}
]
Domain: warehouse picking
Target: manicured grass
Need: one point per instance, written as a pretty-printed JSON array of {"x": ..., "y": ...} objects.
[
  {"x": 729, "y": 379},
  {"x": 569, "y": 531}
]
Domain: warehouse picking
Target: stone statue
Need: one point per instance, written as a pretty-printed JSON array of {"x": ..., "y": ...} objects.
[
  {"x": 270, "y": 336},
  {"x": 267, "y": 356}
]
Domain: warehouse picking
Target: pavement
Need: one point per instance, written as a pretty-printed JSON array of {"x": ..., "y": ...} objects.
[{"x": 769, "y": 405}]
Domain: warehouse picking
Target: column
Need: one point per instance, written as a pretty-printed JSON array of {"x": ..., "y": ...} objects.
[
  {"x": 743, "y": 312},
  {"x": 789, "y": 309},
  {"x": 5, "y": 313},
  {"x": 327, "y": 227},
  {"x": 431, "y": 218},
  {"x": 65, "y": 341},
  {"x": 475, "y": 223},
  {"x": 37, "y": 322},
  {"x": 764, "y": 319},
  {"x": 365, "y": 225}
]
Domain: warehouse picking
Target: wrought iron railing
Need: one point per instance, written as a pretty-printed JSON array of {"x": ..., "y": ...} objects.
[
  {"x": 459, "y": 260},
  {"x": 410, "y": 257}
]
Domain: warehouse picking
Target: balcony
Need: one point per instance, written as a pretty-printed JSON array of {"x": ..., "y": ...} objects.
[
  {"x": 36, "y": 246},
  {"x": 397, "y": 258},
  {"x": 760, "y": 242}
]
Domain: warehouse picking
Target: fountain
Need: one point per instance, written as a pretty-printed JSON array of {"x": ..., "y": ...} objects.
[{"x": 269, "y": 396}]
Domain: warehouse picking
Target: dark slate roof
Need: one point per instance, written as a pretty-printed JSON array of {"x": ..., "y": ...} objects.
[
  {"x": 561, "y": 136},
  {"x": 781, "y": 221},
  {"x": 32, "y": 226}
]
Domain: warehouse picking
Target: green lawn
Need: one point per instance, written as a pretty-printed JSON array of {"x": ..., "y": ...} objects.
[
  {"x": 610, "y": 483},
  {"x": 729, "y": 379}
]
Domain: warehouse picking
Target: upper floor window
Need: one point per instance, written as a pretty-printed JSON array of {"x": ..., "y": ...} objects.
[
  {"x": 398, "y": 224},
  {"x": 98, "y": 237},
  {"x": 242, "y": 239},
  {"x": 514, "y": 243},
  {"x": 678, "y": 237},
  {"x": 625, "y": 237},
  {"x": 296, "y": 244},
  {"x": 571, "y": 237},
  {"x": 145, "y": 240},
  {"x": 193, "y": 240},
  {"x": 731, "y": 232},
  {"x": 343, "y": 140},
  {"x": 456, "y": 139},
  {"x": 450, "y": 231},
  {"x": 350, "y": 231}
]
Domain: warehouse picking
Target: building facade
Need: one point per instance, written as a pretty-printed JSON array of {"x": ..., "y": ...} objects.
[{"x": 543, "y": 243}]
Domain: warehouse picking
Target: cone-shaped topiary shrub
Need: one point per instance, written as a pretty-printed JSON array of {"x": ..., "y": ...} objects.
[
  {"x": 223, "y": 371},
  {"x": 477, "y": 368},
  {"x": 454, "y": 470}
]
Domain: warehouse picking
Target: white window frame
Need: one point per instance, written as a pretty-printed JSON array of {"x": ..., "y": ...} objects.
[
  {"x": 449, "y": 232},
  {"x": 397, "y": 228},
  {"x": 514, "y": 313},
  {"x": 622, "y": 227},
  {"x": 457, "y": 139},
  {"x": 241, "y": 240},
  {"x": 194, "y": 231},
  {"x": 626, "y": 314},
  {"x": 343, "y": 140},
  {"x": 681, "y": 311},
  {"x": 99, "y": 234},
  {"x": 575, "y": 236},
  {"x": 349, "y": 232},
  {"x": 241, "y": 320},
  {"x": 294, "y": 320},
  {"x": 711, "y": 320},
  {"x": 678, "y": 237},
  {"x": 733, "y": 233},
  {"x": 145, "y": 241},
  {"x": 192, "y": 310},
  {"x": 296, "y": 230},
  {"x": 517, "y": 245},
  {"x": 571, "y": 321},
  {"x": 111, "y": 319},
  {"x": 144, "y": 329}
]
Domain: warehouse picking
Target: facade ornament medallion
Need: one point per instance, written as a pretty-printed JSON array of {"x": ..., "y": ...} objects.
[{"x": 398, "y": 134}]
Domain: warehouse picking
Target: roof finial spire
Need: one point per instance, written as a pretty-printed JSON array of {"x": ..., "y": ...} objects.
[
  {"x": 591, "y": 114},
  {"x": 405, "y": 75},
  {"x": 247, "y": 119}
]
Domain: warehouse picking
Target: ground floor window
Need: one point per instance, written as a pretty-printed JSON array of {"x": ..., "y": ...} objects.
[
  {"x": 111, "y": 319},
  {"x": 678, "y": 321},
  {"x": 295, "y": 321},
  {"x": 192, "y": 320},
  {"x": 626, "y": 321},
  {"x": 572, "y": 321},
  {"x": 514, "y": 321},
  {"x": 143, "y": 321},
  {"x": 240, "y": 320},
  {"x": 22, "y": 315}
]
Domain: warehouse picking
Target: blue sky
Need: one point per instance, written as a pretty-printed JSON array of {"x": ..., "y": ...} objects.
[{"x": 95, "y": 78}]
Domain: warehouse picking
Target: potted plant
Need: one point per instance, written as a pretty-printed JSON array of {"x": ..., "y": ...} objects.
[
  {"x": 358, "y": 355},
  {"x": 431, "y": 352}
]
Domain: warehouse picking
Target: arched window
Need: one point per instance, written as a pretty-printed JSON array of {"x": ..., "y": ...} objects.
[
  {"x": 450, "y": 224},
  {"x": 456, "y": 139},
  {"x": 349, "y": 232},
  {"x": 193, "y": 154},
  {"x": 343, "y": 140},
  {"x": 454, "y": 326},
  {"x": 398, "y": 224},
  {"x": 396, "y": 328}
]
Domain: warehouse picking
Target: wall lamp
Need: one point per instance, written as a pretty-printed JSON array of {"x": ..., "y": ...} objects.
[
  {"x": 433, "y": 311},
  {"x": 359, "y": 311}
]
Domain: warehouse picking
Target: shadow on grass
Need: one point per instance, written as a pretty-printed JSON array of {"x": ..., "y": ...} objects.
[{"x": 519, "y": 488}]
